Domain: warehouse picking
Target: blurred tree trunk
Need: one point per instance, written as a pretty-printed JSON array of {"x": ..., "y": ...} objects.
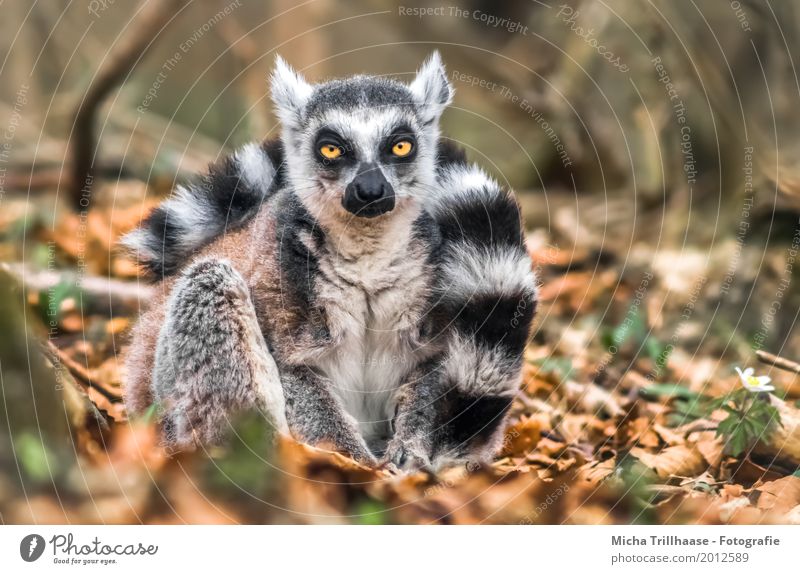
[
  {"x": 42, "y": 411},
  {"x": 145, "y": 29},
  {"x": 34, "y": 431}
]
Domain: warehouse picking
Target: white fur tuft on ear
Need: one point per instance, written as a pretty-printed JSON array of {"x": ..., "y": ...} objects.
[
  {"x": 290, "y": 92},
  {"x": 431, "y": 88}
]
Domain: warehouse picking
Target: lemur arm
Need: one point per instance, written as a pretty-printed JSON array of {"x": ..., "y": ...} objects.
[
  {"x": 299, "y": 329},
  {"x": 315, "y": 416},
  {"x": 484, "y": 303}
]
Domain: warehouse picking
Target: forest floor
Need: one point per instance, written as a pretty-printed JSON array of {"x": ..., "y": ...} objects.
[{"x": 631, "y": 409}]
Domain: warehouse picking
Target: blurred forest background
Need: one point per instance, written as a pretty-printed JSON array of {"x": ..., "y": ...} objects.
[{"x": 651, "y": 144}]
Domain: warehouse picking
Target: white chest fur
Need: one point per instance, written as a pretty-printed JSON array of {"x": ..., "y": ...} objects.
[{"x": 374, "y": 306}]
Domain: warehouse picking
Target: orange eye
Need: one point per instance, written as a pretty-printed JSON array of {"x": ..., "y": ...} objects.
[
  {"x": 402, "y": 148},
  {"x": 330, "y": 151}
]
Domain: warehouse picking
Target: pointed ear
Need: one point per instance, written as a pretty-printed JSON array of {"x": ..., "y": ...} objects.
[
  {"x": 290, "y": 92},
  {"x": 431, "y": 89}
]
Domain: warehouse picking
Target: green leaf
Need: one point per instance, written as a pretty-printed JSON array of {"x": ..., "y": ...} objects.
[
  {"x": 51, "y": 300},
  {"x": 727, "y": 426},
  {"x": 607, "y": 338},
  {"x": 768, "y": 412},
  {"x": 687, "y": 410},
  {"x": 560, "y": 366},
  {"x": 370, "y": 512},
  {"x": 34, "y": 457},
  {"x": 743, "y": 429},
  {"x": 730, "y": 409},
  {"x": 717, "y": 403},
  {"x": 632, "y": 327},
  {"x": 752, "y": 428},
  {"x": 656, "y": 350},
  {"x": 244, "y": 465},
  {"x": 659, "y": 390},
  {"x": 736, "y": 444}
]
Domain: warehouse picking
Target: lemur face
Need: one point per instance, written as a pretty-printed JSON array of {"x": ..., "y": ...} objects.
[
  {"x": 363, "y": 146},
  {"x": 366, "y": 160}
]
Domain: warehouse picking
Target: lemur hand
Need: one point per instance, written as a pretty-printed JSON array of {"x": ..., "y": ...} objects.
[{"x": 406, "y": 456}]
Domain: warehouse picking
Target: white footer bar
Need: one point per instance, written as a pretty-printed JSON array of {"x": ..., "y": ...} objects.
[{"x": 400, "y": 549}]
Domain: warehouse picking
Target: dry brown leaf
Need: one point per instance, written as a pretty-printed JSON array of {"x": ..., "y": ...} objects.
[
  {"x": 548, "y": 255},
  {"x": 793, "y": 516},
  {"x": 730, "y": 491},
  {"x": 565, "y": 462},
  {"x": 595, "y": 472},
  {"x": 710, "y": 446},
  {"x": 784, "y": 442},
  {"x": 668, "y": 435},
  {"x": 540, "y": 459},
  {"x": 747, "y": 471},
  {"x": 522, "y": 437},
  {"x": 580, "y": 428},
  {"x": 672, "y": 461},
  {"x": 565, "y": 286},
  {"x": 640, "y": 432},
  {"x": 593, "y": 399},
  {"x": 550, "y": 447},
  {"x": 125, "y": 268},
  {"x": 780, "y": 495},
  {"x": 117, "y": 325},
  {"x": 696, "y": 481},
  {"x": 729, "y": 509},
  {"x": 72, "y": 322}
]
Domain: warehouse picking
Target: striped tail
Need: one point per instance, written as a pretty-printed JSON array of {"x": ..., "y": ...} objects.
[
  {"x": 486, "y": 303},
  {"x": 222, "y": 200}
]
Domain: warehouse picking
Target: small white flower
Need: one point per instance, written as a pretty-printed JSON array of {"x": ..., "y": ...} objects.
[{"x": 754, "y": 384}]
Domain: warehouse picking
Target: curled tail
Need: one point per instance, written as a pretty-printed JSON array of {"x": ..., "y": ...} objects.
[
  {"x": 197, "y": 213},
  {"x": 486, "y": 287},
  {"x": 486, "y": 301}
]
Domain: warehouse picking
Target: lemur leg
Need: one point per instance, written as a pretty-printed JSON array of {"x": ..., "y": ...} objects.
[
  {"x": 211, "y": 359},
  {"x": 315, "y": 415}
]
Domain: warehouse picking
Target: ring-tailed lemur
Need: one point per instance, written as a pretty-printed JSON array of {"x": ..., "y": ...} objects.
[{"x": 356, "y": 280}]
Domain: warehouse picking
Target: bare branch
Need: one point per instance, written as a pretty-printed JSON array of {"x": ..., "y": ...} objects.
[{"x": 778, "y": 362}]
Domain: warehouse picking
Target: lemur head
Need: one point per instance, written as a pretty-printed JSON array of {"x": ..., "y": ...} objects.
[{"x": 363, "y": 146}]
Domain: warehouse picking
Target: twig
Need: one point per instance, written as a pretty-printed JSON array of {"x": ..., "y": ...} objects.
[
  {"x": 78, "y": 371},
  {"x": 778, "y": 362},
  {"x": 699, "y": 429},
  {"x": 55, "y": 360},
  {"x": 700, "y": 425},
  {"x": 146, "y": 27},
  {"x": 105, "y": 295}
]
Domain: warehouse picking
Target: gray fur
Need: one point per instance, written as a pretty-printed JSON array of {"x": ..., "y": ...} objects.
[
  {"x": 212, "y": 360},
  {"x": 316, "y": 415}
]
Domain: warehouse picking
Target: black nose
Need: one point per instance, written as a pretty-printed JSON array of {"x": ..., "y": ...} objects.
[
  {"x": 369, "y": 194},
  {"x": 370, "y": 185}
]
